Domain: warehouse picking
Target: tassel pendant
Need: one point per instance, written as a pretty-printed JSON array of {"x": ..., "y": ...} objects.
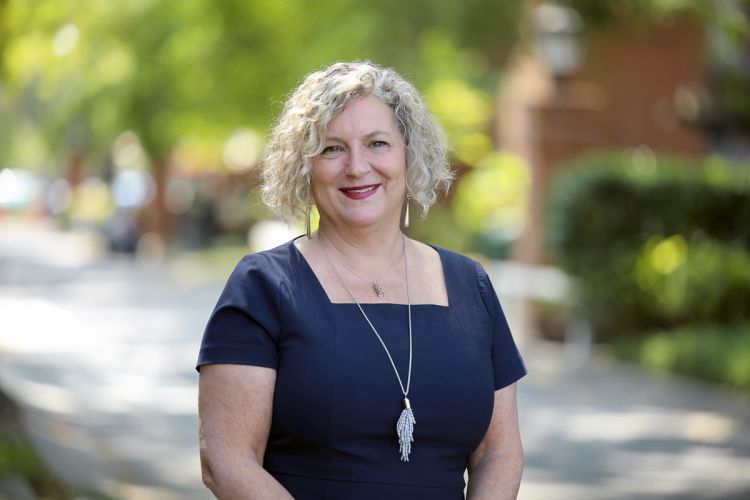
[{"x": 405, "y": 430}]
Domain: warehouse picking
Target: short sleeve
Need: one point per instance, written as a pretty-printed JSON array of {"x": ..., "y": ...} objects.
[
  {"x": 244, "y": 326},
  {"x": 508, "y": 366}
]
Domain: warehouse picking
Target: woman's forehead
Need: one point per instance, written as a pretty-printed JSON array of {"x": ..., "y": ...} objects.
[{"x": 365, "y": 114}]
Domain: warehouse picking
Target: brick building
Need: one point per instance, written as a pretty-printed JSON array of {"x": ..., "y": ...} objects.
[{"x": 633, "y": 86}]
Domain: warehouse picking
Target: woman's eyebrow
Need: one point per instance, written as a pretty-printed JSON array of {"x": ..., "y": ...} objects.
[
  {"x": 368, "y": 135},
  {"x": 377, "y": 132}
]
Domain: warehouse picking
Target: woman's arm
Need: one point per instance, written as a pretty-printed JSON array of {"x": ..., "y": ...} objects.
[
  {"x": 234, "y": 405},
  {"x": 495, "y": 467}
]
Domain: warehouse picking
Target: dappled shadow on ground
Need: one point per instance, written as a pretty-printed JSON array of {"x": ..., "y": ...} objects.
[{"x": 608, "y": 430}]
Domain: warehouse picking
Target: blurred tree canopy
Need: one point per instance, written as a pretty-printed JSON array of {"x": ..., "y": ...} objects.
[
  {"x": 94, "y": 85},
  {"x": 185, "y": 75}
]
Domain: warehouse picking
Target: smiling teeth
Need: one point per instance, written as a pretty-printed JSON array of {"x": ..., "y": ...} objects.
[{"x": 363, "y": 190}]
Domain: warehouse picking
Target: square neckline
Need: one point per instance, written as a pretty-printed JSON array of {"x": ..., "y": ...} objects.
[{"x": 319, "y": 285}]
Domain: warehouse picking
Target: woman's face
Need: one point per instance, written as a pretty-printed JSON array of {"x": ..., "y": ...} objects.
[{"x": 359, "y": 179}]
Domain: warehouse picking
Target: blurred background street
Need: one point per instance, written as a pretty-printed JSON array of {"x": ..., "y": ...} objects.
[
  {"x": 602, "y": 159},
  {"x": 99, "y": 353}
]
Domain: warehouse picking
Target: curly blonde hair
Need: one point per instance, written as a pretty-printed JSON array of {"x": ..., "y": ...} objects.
[{"x": 299, "y": 135}]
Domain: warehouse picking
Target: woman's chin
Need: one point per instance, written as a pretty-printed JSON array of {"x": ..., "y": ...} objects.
[{"x": 363, "y": 221}]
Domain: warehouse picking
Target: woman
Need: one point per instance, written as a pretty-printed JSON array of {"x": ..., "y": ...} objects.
[{"x": 356, "y": 363}]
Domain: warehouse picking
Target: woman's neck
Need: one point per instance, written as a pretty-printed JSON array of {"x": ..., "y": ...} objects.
[{"x": 366, "y": 250}]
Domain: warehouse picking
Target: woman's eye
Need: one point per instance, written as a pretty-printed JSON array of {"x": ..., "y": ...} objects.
[
  {"x": 331, "y": 149},
  {"x": 378, "y": 144}
]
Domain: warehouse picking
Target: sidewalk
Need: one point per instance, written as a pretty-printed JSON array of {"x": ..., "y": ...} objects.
[
  {"x": 99, "y": 354},
  {"x": 608, "y": 430}
]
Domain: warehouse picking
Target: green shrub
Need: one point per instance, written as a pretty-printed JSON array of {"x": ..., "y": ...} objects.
[
  {"x": 699, "y": 280},
  {"x": 656, "y": 241},
  {"x": 17, "y": 457},
  {"x": 712, "y": 352}
]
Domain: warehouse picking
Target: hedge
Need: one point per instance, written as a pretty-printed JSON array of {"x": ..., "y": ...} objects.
[
  {"x": 656, "y": 241},
  {"x": 718, "y": 353}
]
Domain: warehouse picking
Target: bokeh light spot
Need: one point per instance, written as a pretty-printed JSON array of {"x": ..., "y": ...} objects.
[{"x": 66, "y": 40}]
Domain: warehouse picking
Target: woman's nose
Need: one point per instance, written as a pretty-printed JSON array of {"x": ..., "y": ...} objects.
[{"x": 357, "y": 163}]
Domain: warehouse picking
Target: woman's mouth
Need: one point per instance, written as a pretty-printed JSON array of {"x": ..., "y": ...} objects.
[{"x": 360, "y": 192}]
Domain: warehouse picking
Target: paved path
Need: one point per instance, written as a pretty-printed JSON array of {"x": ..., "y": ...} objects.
[
  {"x": 99, "y": 354},
  {"x": 611, "y": 431}
]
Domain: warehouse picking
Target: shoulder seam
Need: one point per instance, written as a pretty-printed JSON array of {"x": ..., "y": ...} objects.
[{"x": 481, "y": 276}]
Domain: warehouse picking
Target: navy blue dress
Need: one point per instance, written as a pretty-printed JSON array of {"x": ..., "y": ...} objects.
[{"x": 337, "y": 400}]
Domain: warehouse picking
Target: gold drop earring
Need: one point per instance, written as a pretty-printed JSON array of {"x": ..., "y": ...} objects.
[
  {"x": 307, "y": 219},
  {"x": 406, "y": 212}
]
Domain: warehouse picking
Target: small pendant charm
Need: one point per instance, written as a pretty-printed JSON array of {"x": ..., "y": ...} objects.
[
  {"x": 405, "y": 430},
  {"x": 378, "y": 290}
]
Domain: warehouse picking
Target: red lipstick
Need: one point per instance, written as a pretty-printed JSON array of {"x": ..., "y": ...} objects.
[{"x": 360, "y": 192}]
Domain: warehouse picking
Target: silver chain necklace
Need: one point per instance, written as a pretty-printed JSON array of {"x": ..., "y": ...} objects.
[
  {"x": 406, "y": 421},
  {"x": 377, "y": 286}
]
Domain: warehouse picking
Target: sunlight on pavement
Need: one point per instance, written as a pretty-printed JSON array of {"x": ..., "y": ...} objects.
[
  {"x": 707, "y": 427},
  {"x": 693, "y": 469},
  {"x": 36, "y": 327},
  {"x": 650, "y": 424},
  {"x": 47, "y": 397},
  {"x": 33, "y": 325},
  {"x": 607, "y": 431},
  {"x": 110, "y": 400},
  {"x": 142, "y": 492},
  {"x": 56, "y": 247}
]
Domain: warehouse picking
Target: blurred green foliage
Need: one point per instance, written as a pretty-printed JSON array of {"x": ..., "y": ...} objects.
[
  {"x": 718, "y": 353},
  {"x": 487, "y": 211},
  {"x": 185, "y": 75},
  {"x": 656, "y": 241},
  {"x": 81, "y": 81},
  {"x": 18, "y": 457},
  {"x": 492, "y": 196}
]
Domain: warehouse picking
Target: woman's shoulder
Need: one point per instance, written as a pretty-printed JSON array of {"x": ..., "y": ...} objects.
[
  {"x": 456, "y": 259},
  {"x": 272, "y": 265},
  {"x": 466, "y": 271},
  {"x": 281, "y": 253}
]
